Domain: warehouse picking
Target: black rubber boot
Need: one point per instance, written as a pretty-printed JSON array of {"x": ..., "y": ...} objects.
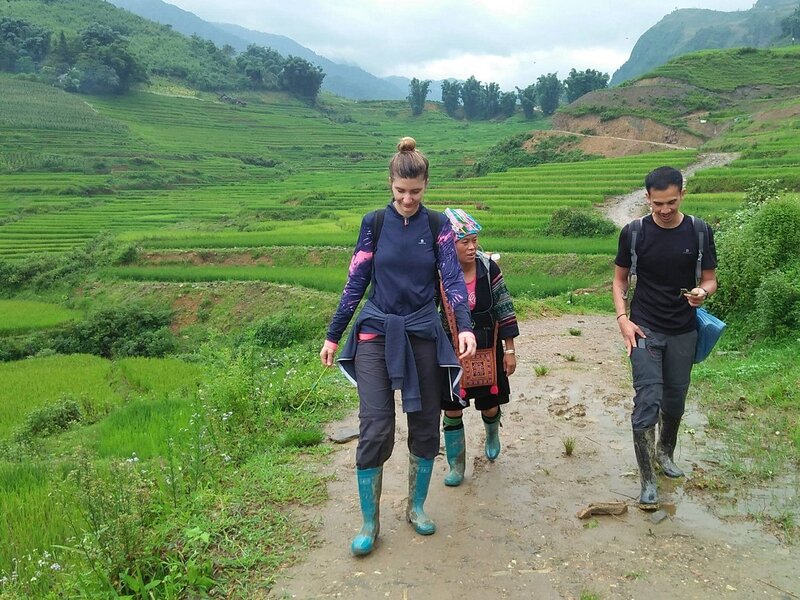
[
  {"x": 644, "y": 441},
  {"x": 667, "y": 439}
]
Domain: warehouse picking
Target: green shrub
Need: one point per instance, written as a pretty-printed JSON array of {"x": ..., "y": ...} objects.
[
  {"x": 50, "y": 419},
  {"x": 762, "y": 190},
  {"x": 576, "y": 222},
  {"x": 778, "y": 301},
  {"x": 282, "y": 330},
  {"x": 512, "y": 152},
  {"x": 118, "y": 331},
  {"x": 758, "y": 245}
]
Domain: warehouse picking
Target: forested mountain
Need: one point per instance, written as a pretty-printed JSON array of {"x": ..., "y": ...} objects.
[
  {"x": 347, "y": 81},
  {"x": 690, "y": 29}
]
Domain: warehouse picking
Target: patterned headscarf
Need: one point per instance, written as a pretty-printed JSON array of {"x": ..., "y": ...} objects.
[{"x": 462, "y": 224}]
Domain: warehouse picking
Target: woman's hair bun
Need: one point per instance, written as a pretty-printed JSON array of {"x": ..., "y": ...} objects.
[{"x": 407, "y": 144}]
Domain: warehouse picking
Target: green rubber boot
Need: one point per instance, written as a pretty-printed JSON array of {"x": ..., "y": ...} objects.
[
  {"x": 370, "y": 482},
  {"x": 455, "y": 449},
  {"x": 419, "y": 480},
  {"x": 492, "y": 425}
]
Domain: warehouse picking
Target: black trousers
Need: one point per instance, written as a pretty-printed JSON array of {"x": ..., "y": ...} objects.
[
  {"x": 662, "y": 370},
  {"x": 377, "y": 406}
]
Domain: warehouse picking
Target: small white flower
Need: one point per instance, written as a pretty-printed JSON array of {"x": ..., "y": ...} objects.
[{"x": 55, "y": 567}]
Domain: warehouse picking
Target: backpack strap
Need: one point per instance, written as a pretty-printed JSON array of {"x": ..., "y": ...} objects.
[
  {"x": 701, "y": 229},
  {"x": 434, "y": 223},
  {"x": 634, "y": 232},
  {"x": 377, "y": 225}
]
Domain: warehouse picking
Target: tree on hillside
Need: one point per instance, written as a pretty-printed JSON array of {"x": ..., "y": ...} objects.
[
  {"x": 490, "y": 100},
  {"x": 262, "y": 66},
  {"x": 417, "y": 93},
  {"x": 548, "y": 91},
  {"x": 790, "y": 26},
  {"x": 103, "y": 65},
  {"x": 579, "y": 83},
  {"x": 527, "y": 99},
  {"x": 301, "y": 78},
  {"x": 451, "y": 96},
  {"x": 471, "y": 98},
  {"x": 508, "y": 103},
  {"x": 23, "y": 46}
]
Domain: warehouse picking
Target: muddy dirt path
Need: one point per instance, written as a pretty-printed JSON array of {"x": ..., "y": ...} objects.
[
  {"x": 511, "y": 531},
  {"x": 623, "y": 209}
]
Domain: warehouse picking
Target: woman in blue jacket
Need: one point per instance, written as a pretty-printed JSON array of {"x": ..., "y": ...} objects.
[{"x": 397, "y": 340}]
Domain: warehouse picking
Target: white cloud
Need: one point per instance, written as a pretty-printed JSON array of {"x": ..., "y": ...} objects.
[{"x": 511, "y": 42}]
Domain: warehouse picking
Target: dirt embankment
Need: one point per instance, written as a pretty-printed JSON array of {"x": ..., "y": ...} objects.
[
  {"x": 627, "y": 127},
  {"x": 511, "y": 531}
]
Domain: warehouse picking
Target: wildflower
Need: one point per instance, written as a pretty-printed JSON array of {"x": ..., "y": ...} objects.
[{"x": 55, "y": 567}]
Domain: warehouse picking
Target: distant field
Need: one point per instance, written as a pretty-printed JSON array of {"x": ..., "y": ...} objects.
[{"x": 20, "y": 316}]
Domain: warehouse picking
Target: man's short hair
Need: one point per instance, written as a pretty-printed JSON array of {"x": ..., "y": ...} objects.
[{"x": 663, "y": 177}]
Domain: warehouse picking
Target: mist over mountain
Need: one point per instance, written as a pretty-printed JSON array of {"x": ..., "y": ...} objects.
[
  {"x": 691, "y": 29},
  {"x": 343, "y": 80}
]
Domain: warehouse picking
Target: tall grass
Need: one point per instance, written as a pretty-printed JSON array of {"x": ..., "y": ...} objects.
[{"x": 36, "y": 382}]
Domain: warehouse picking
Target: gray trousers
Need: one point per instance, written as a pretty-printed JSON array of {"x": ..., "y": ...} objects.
[
  {"x": 662, "y": 370},
  {"x": 376, "y": 409}
]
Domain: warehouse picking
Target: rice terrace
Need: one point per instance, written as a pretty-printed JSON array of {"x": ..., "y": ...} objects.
[{"x": 174, "y": 239}]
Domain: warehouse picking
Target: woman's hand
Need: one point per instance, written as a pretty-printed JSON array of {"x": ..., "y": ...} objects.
[
  {"x": 509, "y": 363},
  {"x": 466, "y": 345},
  {"x": 327, "y": 353}
]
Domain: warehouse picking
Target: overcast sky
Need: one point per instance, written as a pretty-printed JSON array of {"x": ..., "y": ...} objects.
[{"x": 510, "y": 42}]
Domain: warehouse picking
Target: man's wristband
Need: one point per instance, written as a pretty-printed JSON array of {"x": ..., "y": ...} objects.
[
  {"x": 622, "y": 315},
  {"x": 705, "y": 291},
  {"x": 509, "y": 351}
]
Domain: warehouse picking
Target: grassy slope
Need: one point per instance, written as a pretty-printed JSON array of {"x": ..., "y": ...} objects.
[{"x": 153, "y": 45}]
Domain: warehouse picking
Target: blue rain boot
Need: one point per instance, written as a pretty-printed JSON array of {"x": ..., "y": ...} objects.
[
  {"x": 455, "y": 449},
  {"x": 492, "y": 425},
  {"x": 419, "y": 479},
  {"x": 370, "y": 482}
]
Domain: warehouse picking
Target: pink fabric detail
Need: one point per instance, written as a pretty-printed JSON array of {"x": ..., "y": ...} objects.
[
  {"x": 463, "y": 393},
  {"x": 471, "y": 293},
  {"x": 363, "y": 337},
  {"x": 359, "y": 258},
  {"x": 494, "y": 390}
]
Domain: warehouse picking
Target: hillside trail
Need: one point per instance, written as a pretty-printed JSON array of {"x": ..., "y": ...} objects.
[
  {"x": 622, "y": 139},
  {"x": 511, "y": 530},
  {"x": 623, "y": 209}
]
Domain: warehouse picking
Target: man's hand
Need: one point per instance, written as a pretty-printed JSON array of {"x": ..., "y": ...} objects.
[
  {"x": 466, "y": 344},
  {"x": 629, "y": 331},
  {"x": 695, "y": 296}
]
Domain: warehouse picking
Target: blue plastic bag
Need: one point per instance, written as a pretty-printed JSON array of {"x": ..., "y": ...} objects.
[{"x": 709, "y": 330}]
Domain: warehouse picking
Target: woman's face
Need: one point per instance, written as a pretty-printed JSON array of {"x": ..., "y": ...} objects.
[
  {"x": 466, "y": 248},
  {"x": 407, "y": 194}
]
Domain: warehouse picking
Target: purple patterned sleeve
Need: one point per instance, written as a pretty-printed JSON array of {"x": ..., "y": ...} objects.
[
  {"x": 453, "y": 277},
  {"x": 358, "y": 278}
]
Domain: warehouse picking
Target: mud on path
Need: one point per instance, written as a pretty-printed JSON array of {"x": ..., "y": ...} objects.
[
  {"x": 624, "y": 209},
  {"x": 511, "y": 531}
]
